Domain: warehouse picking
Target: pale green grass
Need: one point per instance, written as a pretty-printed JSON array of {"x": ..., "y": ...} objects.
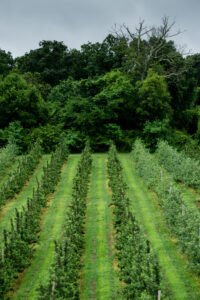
[
  {"x": 99, "y": 277},
  {"x": 53, "y": 222},
  {"x": 8, "y": 210},
  {"x": 182, "y": 284}
]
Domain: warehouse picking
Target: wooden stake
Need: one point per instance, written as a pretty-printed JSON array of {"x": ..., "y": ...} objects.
[
  {"x": 170, "y": 189},
  {"x": 199, "y": 235},
  {"x": 52, "y": 290},
  {"x": 159, "y": 294},
  {"x": 183, "y": 211},
  {"x": 2, "y": 255}
]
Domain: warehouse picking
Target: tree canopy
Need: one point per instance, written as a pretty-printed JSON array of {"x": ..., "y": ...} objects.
[
  {"x": 134, "y": 82},
  {"x": 20, "y": 101},
  {"x": 6, "y": 62}
]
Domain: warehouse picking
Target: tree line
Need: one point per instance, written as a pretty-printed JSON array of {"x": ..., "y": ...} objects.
[{"x": 133, "y": 83}]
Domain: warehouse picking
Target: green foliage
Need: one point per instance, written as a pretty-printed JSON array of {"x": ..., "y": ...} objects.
[
  {"x": 60, "y": 102},
  {"x": 184, "y": 99},
  {"x": 64, "y": 281},
  {"x": 182, "y": 220},
  {"x": 14, "y": 133},
  {"x": 137, "y": 261},
  {"x": 3, "y": 138},
  {"x": 116, "y": 90},
  {"x": 50, "y": 60},
  {"x": 35, "y": 80},
  {"x": 184, "y": 142},
  {"x": 75, "y": 140},
  {"x": 92, "y": 107},
  {"x": 61, "y": 93},
  {"x": 194, "y": 62},
  {"x": 6, "y": 62},
  {"x": 19, "y": 176},
  {"x": 153, "y": 98},
  {"x": 17, "y": 244},
  {"x": 154, "y": 131},
  {"x": 48, "y": 136},
  {"x": 7, "y": 157},
  {"x": 20, "y": 102},
  {"x": 55, "y": 62},
  {"x": 99, "y": 58},
  {"x": 126, "y": 83}
]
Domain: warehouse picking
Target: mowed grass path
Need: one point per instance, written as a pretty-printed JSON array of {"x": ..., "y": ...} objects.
[
  {"x": 182, "y": 284},
  {"x": 52, "y": 226},
  {"x": 99, "y": 277},
  {"x": 8, "y": 210}
]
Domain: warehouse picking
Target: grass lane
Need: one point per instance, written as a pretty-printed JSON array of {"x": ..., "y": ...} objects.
[
  {"x": 182, "y": 284},
  {"x": 52, "y": 226},
  {"x": 8, "y": 210},
  {"x": 99, "y": 277}
]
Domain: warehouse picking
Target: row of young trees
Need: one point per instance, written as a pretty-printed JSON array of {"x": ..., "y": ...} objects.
[
  {"x": 17, "y": 244},
  {"x": 183, "y": 220},
  {"x": 7, "y": 157},
  {"x": 183, "y": 168},
  {"x": 137, "y": 261},
  {"x": 65, "y": 271},
  {"x": 21, "y": 174}
]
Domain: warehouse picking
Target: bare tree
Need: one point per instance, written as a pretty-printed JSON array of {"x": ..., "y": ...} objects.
[{"x": 148, "y": 46}]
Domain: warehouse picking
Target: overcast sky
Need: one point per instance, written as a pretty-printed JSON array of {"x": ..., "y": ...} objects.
[{"x": 23, "y": 23}]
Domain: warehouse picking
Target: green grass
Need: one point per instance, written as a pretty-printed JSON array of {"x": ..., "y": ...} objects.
[
  {"x": 99, "y": 280},
  {"x": 99, "y": 277},
  {"x": 8, "y": 210},
  {"x": 182, "y": 284},
  {"x": 53, "y": 222}
]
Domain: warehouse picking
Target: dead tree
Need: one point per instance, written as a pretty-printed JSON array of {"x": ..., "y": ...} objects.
[{"x": 148, "y": 46}]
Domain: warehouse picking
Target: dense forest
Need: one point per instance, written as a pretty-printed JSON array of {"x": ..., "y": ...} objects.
[{"x": 136, "y": 83}]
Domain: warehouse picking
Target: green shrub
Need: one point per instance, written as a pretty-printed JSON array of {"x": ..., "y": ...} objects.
[
  {"x": 7, "y": 157},
  {"x": 48, "y": 136}
]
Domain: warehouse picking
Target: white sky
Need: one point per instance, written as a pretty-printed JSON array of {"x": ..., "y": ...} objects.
[{"x": 23, "y": 23}]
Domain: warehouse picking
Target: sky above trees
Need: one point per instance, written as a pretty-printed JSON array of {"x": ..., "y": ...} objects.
[{"x": 24, "y": 23}]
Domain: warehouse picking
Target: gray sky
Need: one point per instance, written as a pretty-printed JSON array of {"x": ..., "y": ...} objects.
[{"x": 23, "y": 23}]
